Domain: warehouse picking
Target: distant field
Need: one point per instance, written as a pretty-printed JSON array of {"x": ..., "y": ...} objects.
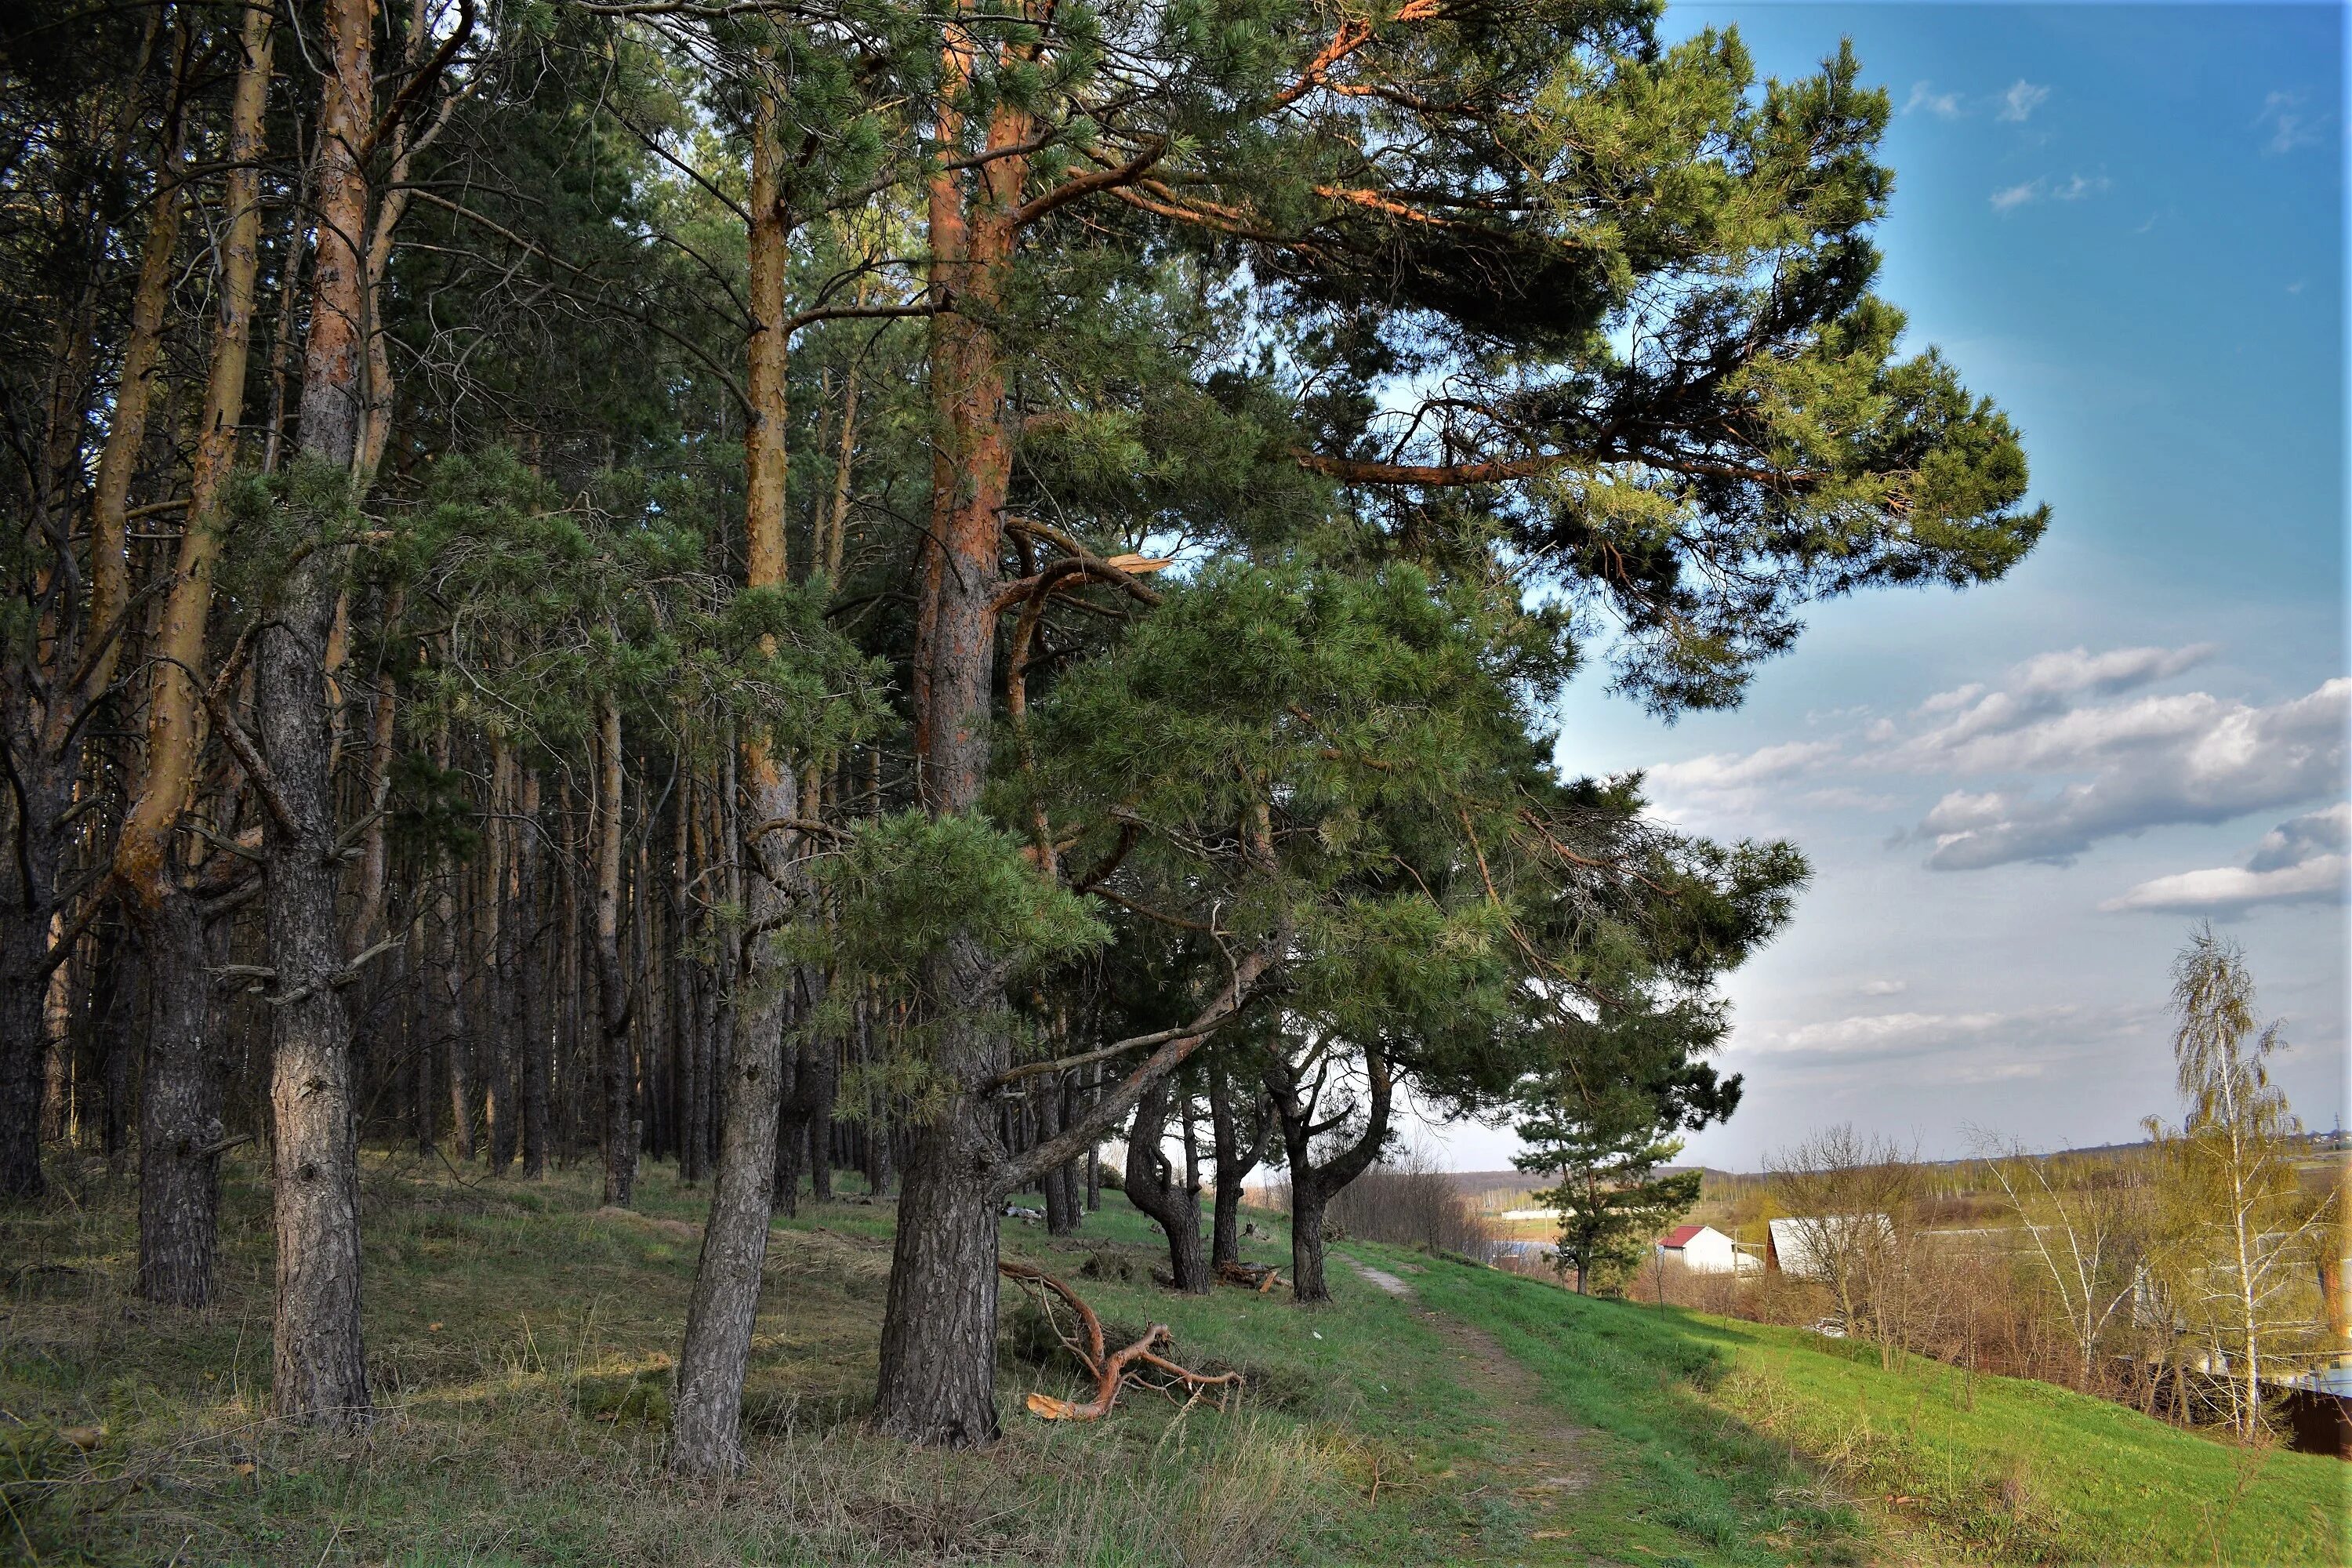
[{"x": 519, "y": 1341}]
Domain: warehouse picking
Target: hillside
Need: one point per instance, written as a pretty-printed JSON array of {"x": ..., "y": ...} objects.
[{"x": 520, "y": 1340}]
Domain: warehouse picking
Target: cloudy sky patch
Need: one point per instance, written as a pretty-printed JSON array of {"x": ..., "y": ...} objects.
[{"x": 2017, "y": 799}]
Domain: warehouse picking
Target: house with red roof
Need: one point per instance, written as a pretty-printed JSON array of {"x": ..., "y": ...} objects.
[{"x": 1703, "y": 1249}]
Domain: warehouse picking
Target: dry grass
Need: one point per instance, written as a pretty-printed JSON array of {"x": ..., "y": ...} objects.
[{"x": 519, "y": 1344}]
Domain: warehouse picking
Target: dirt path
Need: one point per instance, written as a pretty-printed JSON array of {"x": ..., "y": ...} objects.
[{"x": 1546, "y": 1459}]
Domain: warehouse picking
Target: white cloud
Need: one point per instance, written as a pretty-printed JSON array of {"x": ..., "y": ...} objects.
[
  {"x": 2072, "y": 189},
  {"x": 2300, "y": 861},
  {"x": 1932, "y": 1051},
  {"x": 1942, "y": 105},
  {"x": 1884, "y": 987},
  {"x": 2226, "y": 887},
  {"x": 2012, "y": 196},
  {"x": 2284, "y": 116},
  {"x": 2021, "y": 100},
  {"x": 2041, "y": 686},
  {"x": 1720, "y": 771},
  {"x": 2066, "y": 751},
  {"x": 2118, "y": 669},
  {"x": 1879, "y": 1031},
  {"x": 2153, "y": 762},
  {"x": 1944, "y": 701}
]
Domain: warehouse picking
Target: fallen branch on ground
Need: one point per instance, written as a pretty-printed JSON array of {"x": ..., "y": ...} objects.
[
  {"x": 1259, "y": 1277},
  {"x": 1110, "y": 1371}
]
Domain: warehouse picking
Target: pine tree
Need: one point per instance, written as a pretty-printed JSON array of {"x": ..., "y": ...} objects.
[{"x": 1602, "y": 1137}]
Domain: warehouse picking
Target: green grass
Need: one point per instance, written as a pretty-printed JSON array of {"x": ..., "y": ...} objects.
[
  {"x": 1737, "y": 1426},
  {"x": 520, "y": 1344}
]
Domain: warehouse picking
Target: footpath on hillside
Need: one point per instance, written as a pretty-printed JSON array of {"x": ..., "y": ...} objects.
[{"x": 1546, "y": 1460}]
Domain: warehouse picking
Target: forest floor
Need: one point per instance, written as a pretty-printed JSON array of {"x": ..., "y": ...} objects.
[{"x": 520, "y": 1340}]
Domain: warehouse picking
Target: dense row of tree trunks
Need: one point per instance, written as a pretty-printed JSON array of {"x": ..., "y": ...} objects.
[
  {"x": 538, "y": 981},
  {"x": 23, "y": 986}
]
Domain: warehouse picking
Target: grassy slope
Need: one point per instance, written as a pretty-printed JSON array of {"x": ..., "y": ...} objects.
[
  {"x": 521, "y": 1341},
  {"x": 1948, "y": 1467}
]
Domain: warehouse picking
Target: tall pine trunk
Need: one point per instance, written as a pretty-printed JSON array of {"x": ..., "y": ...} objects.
[
  {"x": 938, "y": 1381},
  {"x": 938, "y": 1327},
  {"x": 536, "y": 980},
  {"x": 1061, "y": 1184},
  {"x": 617, "y": 1071},
  {"x": 707, "y": 1404},
  {"x": 319, "y": 1364}
]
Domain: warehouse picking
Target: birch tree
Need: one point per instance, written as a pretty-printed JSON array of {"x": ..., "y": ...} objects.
[{"x": 2241, "y": 1220}]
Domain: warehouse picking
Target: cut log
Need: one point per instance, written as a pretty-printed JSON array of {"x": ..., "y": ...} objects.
[{"x": 1139, "y": 1362}]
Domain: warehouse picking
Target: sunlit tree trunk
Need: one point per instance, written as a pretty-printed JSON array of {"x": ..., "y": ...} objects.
[{"x": 938, "y": 1383}]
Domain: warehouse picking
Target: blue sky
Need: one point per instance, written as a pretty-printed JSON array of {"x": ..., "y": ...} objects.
[{"x": 2124, "y": 224}]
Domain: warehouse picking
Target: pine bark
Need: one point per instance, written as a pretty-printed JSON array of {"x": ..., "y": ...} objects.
[
  {"x": 937, "y": 1383},
  {"x": 320, "y": 1363},
  {"x": 180, "y": 1129},
  {"x": 1061, "y": 1186},
  {"x": 707, "y": 1401},
  {"x": 618, "y": 1072},
  {"x": 110, "y": 584},
  {"x": 939, "y": 1335},
  {"x": 537, "y": 981}
]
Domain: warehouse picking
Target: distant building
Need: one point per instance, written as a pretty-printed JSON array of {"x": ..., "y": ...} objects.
[
  {"x": 1703, "y": 1249},
  {"x": 1797, "y": 1247}
]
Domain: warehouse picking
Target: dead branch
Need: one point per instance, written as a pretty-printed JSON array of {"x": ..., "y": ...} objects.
[
  {"x": 1259, "y": 1277},
  {"x": 1112, "y": 1370}
]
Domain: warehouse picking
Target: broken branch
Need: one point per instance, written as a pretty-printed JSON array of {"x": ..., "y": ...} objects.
[{"x": 1113, "y": 1371}]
